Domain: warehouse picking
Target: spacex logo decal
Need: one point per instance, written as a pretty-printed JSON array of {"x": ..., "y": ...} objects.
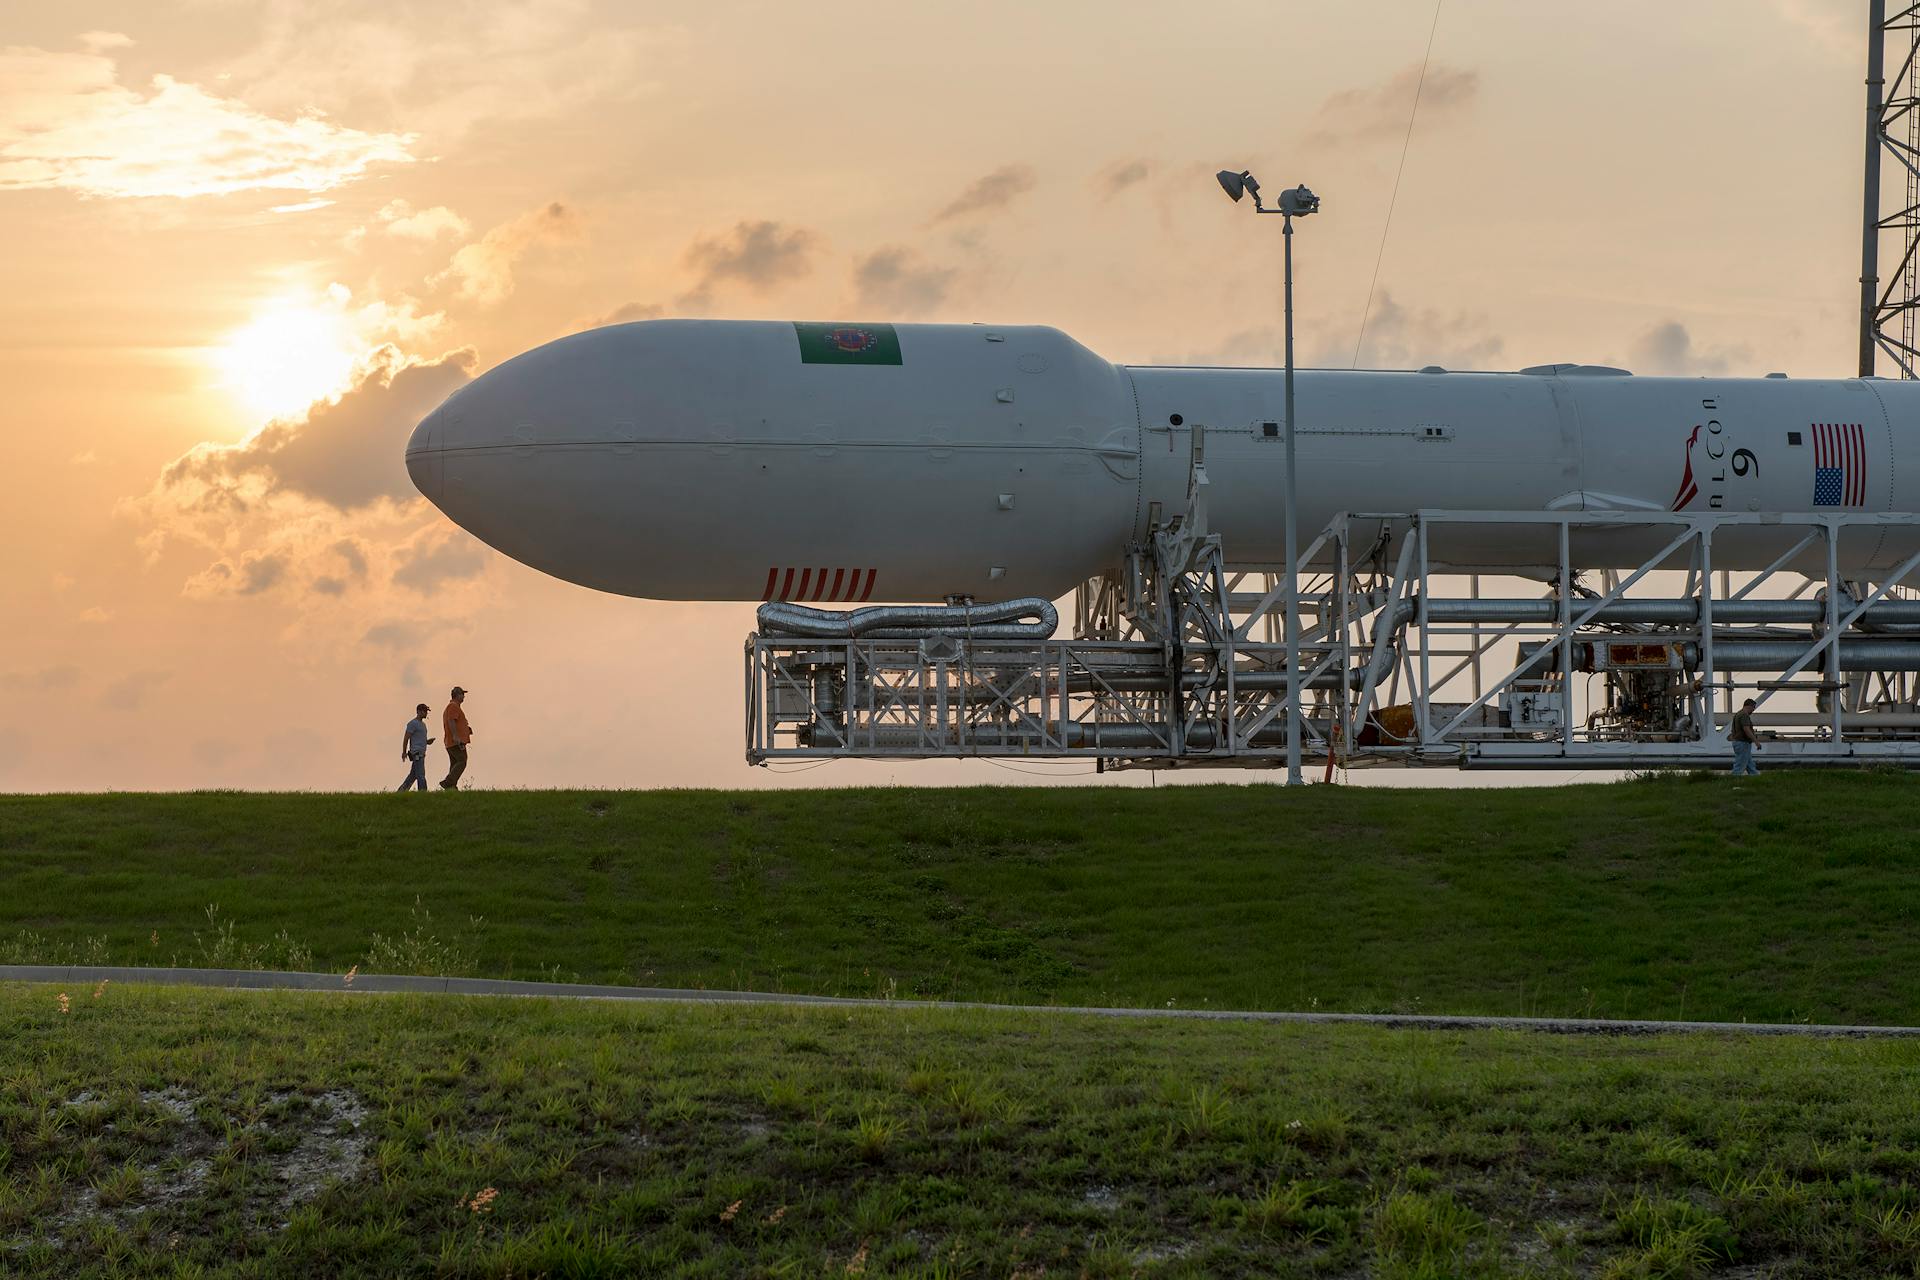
[
  {"x": 1717, "y": 465},
  {"x": 847, "y": 343},
  {"x": 1688, "y": 489}
]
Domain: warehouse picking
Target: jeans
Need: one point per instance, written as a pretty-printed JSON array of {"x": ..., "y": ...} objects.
[
  {"x": 418, "y": 774},
  {"x": 1743, "y": 759},
  {"x": 456, "y": 765}
]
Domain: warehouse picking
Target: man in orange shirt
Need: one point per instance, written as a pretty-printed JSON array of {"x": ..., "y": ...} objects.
[{"x": 458, "y": 733}]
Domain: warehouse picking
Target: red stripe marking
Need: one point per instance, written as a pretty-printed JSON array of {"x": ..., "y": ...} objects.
[
  {"x": 771, "y": 575},
  {"x": 820, "y": 586},
  {"x": 869, "y": 591},
  {"x": 806, "y": 576},
  {"x": 834, "y": 594},
  {"x": 786, "y": 588}
]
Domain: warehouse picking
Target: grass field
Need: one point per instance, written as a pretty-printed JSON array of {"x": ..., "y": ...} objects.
[
  {"x": 154, "y": 1132},
  {"x": 1778, "y": 899}
]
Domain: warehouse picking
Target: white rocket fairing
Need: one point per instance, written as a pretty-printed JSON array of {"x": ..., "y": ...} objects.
[{"x": 750, "y": 460}]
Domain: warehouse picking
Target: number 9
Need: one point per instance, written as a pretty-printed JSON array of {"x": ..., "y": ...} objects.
[{"x": 1744, "y": 461}]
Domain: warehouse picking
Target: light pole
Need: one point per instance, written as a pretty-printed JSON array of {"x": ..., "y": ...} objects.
[{"x": 1296, "y": 202}]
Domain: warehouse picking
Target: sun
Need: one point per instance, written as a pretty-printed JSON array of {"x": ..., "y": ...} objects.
[{"x": 288, "y": 356}]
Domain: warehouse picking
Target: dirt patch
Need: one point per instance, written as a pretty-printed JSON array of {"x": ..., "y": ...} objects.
[
  {"x": 305, "y": 1143},
  {"x": 331, "y": 1146}
]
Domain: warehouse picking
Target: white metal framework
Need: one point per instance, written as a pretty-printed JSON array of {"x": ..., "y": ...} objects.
[{"x": 1179, "y": 659}]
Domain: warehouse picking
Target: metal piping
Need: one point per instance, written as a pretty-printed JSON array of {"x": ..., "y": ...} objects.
[
  {"x": 1678, "y": 611},
  {"x": 913, "y": 622}
]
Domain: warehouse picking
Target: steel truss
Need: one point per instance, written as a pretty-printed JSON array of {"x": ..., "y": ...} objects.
[
  {"x": 1178, "y": 660},
  {"x": 1890, "y": 304}
]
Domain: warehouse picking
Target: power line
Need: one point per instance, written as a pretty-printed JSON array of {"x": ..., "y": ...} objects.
[{"x": 1367, "y": 313}]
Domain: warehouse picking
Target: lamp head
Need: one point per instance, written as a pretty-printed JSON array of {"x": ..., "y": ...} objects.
[
  {"x": 1298, "y": 202},
  {"x": 1238, "y": 184}
]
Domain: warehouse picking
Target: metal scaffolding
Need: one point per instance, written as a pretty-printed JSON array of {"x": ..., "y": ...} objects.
[
  {"x": 1890, "y": 315},
  {"x": 1178, "y": 659}
]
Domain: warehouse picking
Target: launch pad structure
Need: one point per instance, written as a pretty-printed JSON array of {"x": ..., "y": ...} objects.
[{"x": 1178, "y": 660}]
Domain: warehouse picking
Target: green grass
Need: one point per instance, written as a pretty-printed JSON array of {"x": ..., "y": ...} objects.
[
  {"x": 1779, "y": 899},
  {"x": 156, "y": 1132}
]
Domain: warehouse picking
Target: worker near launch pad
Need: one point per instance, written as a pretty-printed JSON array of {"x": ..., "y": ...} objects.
[
  {"x": 1743, "y": 739},
  {"x": 453, "y": 721},
  {"x": 413, "y": 746}
]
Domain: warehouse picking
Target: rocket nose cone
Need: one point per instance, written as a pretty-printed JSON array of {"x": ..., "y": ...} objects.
[{"x": 423, "y": 456}]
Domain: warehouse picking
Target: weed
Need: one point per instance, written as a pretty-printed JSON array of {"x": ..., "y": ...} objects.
[
  {"x": 1676, "y": 1239},
  {"x": 1287, "y": 1209},
  {"x": 872, "y": 1135},
  {"x": 1422, "y": 1236},
  {"x": 420, "y": 950}
]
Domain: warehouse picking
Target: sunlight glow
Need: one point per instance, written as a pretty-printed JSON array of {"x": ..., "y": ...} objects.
[{"x": 290, "y": 355}]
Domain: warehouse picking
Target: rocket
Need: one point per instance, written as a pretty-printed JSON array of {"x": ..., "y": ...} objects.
[{"x": 839, "y": 463}]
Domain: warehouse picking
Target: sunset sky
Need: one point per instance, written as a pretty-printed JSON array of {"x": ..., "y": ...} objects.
[{"x": 249, "y": 243}]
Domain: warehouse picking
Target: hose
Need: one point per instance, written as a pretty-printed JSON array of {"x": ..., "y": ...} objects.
[{"x": 913, "y": 622}]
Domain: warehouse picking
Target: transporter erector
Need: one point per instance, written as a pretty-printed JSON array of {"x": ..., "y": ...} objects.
[{"x": 826, "y": 464}]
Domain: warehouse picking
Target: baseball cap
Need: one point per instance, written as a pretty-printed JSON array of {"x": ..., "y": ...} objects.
[{"x": 458, "y": 690}]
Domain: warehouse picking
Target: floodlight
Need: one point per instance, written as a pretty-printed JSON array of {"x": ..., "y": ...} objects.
[
  {"x": 1298, "y": 202},
  {"x": 1234, "y": 184}
]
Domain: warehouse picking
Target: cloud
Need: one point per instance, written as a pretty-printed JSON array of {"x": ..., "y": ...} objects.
[
  {"x": 214, "y": 751},
  {"x": 253, "y": 575},
  {"x": 1835, "y": 24},
  {"x": 1120, "y": 175},
  {"x": 356, "y": 558},
  {"x": 435, "y": 560},
  {"x": 46, "y": 679},
  {"x": 1399, "y": 338},
  {"x": 759, "y": 255},
  {"x": 328, "y": 585},
  {"x": 304, "y": 206},
  {"x": 401, "y": 219},
  {"x": 482, "y": 272},
  {"x": 1668, "y": 349},
  {"x": 95, "y": 613},
  {"x": 448, "y": 70},
  {"x": 101, "y": 41},
  {"x": 1381, "y": 111},
  {"x": 627, "y": 314},
  {"x": 129, "y": 692},
  {"x": 991, "y": 193},
  {"x": 895, "y": 280},
  {"x": 347, "y": 453},
  {"x": 397, "y": 636},
  {"x": 66, "y": 123},
  {"x": 258, "y": 573}
]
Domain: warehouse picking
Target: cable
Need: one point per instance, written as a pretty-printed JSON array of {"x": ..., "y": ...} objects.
[
  {"x": 1367, "y": 313},
  {"x": 1073, "y": 772},
  {"x": 798, "y": 768}
]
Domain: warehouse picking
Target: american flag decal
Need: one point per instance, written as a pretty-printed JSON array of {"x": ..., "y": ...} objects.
[{"x": 1839, "y": 464}]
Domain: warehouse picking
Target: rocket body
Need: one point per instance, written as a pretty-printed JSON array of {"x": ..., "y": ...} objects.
[{"x": 751, "y": 460}]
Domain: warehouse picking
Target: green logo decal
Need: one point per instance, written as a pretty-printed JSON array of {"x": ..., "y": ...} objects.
[{"x": 847, "y": 343}]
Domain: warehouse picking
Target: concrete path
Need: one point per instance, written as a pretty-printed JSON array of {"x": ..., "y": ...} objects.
[{"x": 378, "y": 983}]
